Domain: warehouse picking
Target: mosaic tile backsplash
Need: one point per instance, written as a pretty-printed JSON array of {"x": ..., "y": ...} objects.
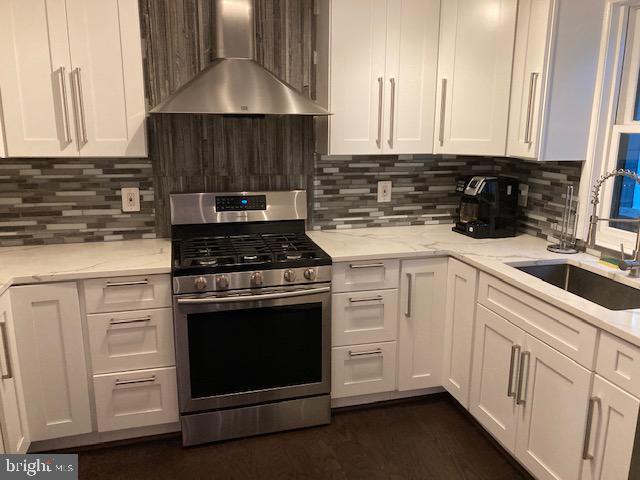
[{"x": 45, "y": 201}]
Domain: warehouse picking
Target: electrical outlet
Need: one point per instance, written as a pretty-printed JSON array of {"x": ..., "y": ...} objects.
[
  {"x": 130, "y": 199},
  {"x": 523, "y": 199},
  {"x": 384, "y": 191}
]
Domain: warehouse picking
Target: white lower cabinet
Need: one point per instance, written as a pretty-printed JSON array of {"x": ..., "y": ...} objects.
[
  {"x": 421, "y": 330},
  {"x": 462, "y": 286},
  {"x": 364, "y": 317},
  {"x": 15, "y": 432},
  {"x": 363, "y": 369},
  {"x": 136, "y": 399},
  {"x": 51, "y": 354},
  {"x": 609, "y": 447}
]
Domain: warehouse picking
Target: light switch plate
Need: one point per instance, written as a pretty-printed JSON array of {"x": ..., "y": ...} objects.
[
  {"x": 130, "y": 199},
  {"x": 523, "y": 198},
  {"x": 384, "y": 191}
]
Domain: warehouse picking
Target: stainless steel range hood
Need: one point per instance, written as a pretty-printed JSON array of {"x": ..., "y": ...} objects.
[{"x": 234, "y": 83}]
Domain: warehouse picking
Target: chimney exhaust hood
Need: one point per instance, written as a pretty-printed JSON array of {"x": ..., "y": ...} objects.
[{"x": 234, "y": 83}]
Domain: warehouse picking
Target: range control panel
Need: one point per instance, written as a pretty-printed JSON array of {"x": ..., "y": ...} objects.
[{"x": 239, "y": 203}]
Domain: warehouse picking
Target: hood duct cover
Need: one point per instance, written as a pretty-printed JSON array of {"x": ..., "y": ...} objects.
[{"x": 234, "y": 83}]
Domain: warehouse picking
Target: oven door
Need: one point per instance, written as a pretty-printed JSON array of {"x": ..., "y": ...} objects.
[{"x": 252, "y": 348}]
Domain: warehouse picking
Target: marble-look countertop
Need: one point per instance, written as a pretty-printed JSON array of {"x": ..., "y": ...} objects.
[
  {"x": 55, "y": 263},
  {"x": 493, "y": 256}
]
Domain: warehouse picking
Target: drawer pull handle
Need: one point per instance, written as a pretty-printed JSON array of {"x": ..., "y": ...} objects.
[
  {"x": 7, "y": 353},
  {"x": 151, "y": 379},
  {"x": 360, "y": 300},
  {"x": 369, "y": 265},
  {"x": 127, "y": 284},
  {"x": 515, "y": 351},
  {"x": 114, "y": 321},
  {"x": 521, "y": 394},
  {"x": 586, "y": 454},
  {"x": 377, "y": 351}
]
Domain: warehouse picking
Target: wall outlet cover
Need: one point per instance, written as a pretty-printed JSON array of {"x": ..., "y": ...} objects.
[
  {"x": 384, "y": 191},
  {"x": 130, "y": 199},
  {"x": 523, "y": 199}
]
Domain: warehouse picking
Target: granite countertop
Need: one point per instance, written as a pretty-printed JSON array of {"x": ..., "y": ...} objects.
[{"x": 54, "y": 263}]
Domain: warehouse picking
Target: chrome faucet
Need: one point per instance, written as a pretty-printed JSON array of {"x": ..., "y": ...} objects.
[{"x": 633, "y": 265}]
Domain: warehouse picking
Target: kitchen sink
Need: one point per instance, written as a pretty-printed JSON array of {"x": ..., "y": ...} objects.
[{"x": 588, "y": 285}]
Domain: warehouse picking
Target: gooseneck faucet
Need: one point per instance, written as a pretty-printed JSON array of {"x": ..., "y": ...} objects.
[{"x": 633, "y": 265}]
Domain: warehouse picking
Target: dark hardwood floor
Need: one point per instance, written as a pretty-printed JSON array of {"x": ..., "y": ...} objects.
[{"x": 428, "y": 438}]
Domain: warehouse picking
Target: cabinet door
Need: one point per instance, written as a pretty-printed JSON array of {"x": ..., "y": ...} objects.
[
  {"x": 553, "y": 414},
  {"x": 34, "y": 79},
  {"x": 613, "y": 426},
  {"x": 527, "y": 90},
  {"x": 52, "y": 360},
  {"x": 462, "y": 283},
  {"x": 421, "y": 331},
  {"x": 106, "y": 53},
  {"x": 15, "y": 430},
  {"x": 474, "y": 76},
  {"x": 411, "y": 74},
  {"x": 357, "y": 78},
  {"x": 495, "y": 369}
]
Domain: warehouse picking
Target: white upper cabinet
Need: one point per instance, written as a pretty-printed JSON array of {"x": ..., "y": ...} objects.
[
  {"x": 380, "y": 81},
  {"x": 554, "y": 74},
  {"x": 73, "y": 85},
  {"x": 474, "y": 76}
]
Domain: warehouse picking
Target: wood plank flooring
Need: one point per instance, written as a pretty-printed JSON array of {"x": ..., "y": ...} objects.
[{"x": 428, "y": 438}]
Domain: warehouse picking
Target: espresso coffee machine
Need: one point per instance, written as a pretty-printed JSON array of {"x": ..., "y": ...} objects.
[{"x": 488, "y": 207}]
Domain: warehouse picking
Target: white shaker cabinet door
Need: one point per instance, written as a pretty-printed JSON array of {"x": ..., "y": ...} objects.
[
  {"x": 34, "y": 79},
  {"x": 553, "y": 412},
  {"x": 421, "y": 320},
  {"x": 357, "y": 76},
  {"x": 50, "y": 346},
  {"x": 498, "y": 344},
  {"x": 474, "y": 76},
  {"x": 107, "y": 77},
  {"x": 609, "y": 448},
  {"x": 411, "y": 71},
  {"x": 15, "y": 431},
  {"x": 462, "y": 286}
]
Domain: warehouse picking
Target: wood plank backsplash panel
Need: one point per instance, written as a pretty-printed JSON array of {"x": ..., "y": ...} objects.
[{"x": 194, "y": 153}]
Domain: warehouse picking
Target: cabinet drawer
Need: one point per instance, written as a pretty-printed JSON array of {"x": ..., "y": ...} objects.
[
  {"x": 619, "y": 362},
  {"x": 363, "y": 369},
  {"x": 131, "y": 340},
  {"x": 136, "y": 399},
  {"x": 127, "y": 293},
  {"x": 364, "y": 317},
  {"x": 365, "y": 275},
  {"x": 559, "y": 329}
]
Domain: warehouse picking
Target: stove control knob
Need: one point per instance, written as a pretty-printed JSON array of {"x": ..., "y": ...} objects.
[
  {"x": 200, "y": 283},
  {"x": 310, "y": 274},
  {"x": 222, "y": 282},
  {"x": 289, "y": 275},
  {"x": 256, "y": 279}
]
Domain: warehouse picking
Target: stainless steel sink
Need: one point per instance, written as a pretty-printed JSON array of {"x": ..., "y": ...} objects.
[{"x": 588, "y": 285}]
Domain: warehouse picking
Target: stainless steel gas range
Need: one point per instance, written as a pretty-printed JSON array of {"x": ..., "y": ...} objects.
[{"x": 252, "y": 315}]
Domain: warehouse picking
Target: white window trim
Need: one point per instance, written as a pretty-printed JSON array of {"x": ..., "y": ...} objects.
[{"x": 603, "y": 138}]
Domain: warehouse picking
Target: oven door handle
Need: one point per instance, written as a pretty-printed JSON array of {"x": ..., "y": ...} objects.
[{"x": 251, "y": 298}]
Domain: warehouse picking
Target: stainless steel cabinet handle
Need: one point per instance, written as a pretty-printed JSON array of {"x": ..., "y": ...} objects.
[
  {"x": 407, "y": 312},
  {"x": 360, "y": 300},
  {"x": 81, "y": 111},
  {"x": 113, "y": 321},
  {"x": 515, "y": 351},
  {"x": 369, "y": 265},
  {"x": 377, "y": 351},
  {"x": 7, "y": 355},
  {"x": 380, "y": 107},
  {"x": 392, "y": 114},
  {"x": 65, "y": 105},
  {"x": 533, "y": 81},
  {"x": 251, "y": 298},
  {"x": 521, "y": 398},
  {"x": 443, "y": 110},
  {"x": 586, "y": 454},
  {"x": 151, "y": 379},
  {"x": 127, "y": 284}
]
